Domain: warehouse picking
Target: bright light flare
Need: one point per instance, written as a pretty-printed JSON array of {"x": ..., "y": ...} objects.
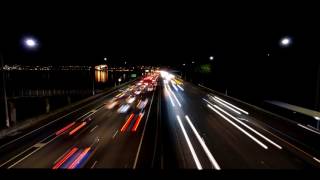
[
  {"x": 286, "y": 41},
  {"x": 30, "y": 43}
]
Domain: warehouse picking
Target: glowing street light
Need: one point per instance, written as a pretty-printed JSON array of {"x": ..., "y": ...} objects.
[
  {"x": 285, "y": 42},
  {"x": 30, "y": 43},
  {"x": 211, "y": 58}
]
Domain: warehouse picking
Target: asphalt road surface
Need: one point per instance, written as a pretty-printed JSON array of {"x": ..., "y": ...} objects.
[{"x": 204, "y": 130}]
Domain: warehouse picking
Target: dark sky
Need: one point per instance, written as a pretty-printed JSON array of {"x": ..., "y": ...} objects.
[
  {"x": 238, "y": 35},
  {"x": 145, "y": 33}
]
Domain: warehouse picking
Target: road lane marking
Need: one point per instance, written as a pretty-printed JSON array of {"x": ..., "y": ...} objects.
[
  {"x": 256, "y": 132},
  {"x": 193, "y": 153},
  {"x": 16, "y": 156},
  {"x": 93, "y": 129},
  {"x": 25, "y": 157},
  {"x": 239, "y": 109},
  {"x": 38, "y": 145},
  {"x": 203, "y": 144},
  {"x": 144, "y": 129},
  {"x": 94, "y": 164},
  {"x": 62, "y": 159},
  {"x": 309, "y": 129},
  {"x": 235, "y": 125},
  {"x": 293, "y": 146},
  {"x": 51, "y": 122},
  {"x": 114, "y": 135}
]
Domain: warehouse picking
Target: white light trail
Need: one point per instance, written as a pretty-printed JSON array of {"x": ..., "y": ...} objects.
[
  {"x": 256, "y": 132},
  {"x": 180, "y": 87},
  {"x": 174, "y": 86},
  {"x": 175, "y": 97},
  {"x": 238, "y": 127},
  {"x": 305, "y": 127},
  {"x": 225, "y": 105},
  {"x": 194, "y": 155},
  {"x": 232, "y": 105},
  {"x": 167, "y": 92},
  {"x": 203, "y": 144}
]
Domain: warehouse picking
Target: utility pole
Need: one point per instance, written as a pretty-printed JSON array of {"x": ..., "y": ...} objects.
[
  {"x": 317, "y": 100},
  {"x": 4, "y": 92}
]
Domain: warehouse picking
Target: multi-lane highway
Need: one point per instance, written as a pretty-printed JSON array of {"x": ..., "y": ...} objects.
[
  {"x": 205, "y": 130},
  {"x": 160, "y": 121},
  {"x": 108, "y": 134}
]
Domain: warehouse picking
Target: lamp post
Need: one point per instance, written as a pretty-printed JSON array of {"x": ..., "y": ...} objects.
[
  {"x": 30, "y": 44},
  {"x": 4, "y": 92}
]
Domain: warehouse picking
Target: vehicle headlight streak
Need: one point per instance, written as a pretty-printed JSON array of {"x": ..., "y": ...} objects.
[
  {"x": 180, "y": 87},
  {"x": 175, "y": 97},
  {"x": 194, "y": 155},
  {"x": 203, "y": 144},
  {"x": 245, "y": 112},
  {"x": 225, "y": 105},
  {"x": 238, "y": 127},
  {"x": 168, "y": 93},
  {"x": 256, "y": 132},
  {"x": 174, "y": 86}
]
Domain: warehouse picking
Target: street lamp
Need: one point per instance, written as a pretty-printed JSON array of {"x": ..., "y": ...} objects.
[
  {"x": 29, "y": 43},
  {"x": 105, "y": 59},
  {"x": 4, "y": 92},
  {"x": 285, "y": 42},
  {"x": 211, "y": 58}
]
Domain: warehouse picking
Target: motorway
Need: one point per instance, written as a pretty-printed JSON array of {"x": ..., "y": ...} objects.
[
  {"x": 162, "y": 122},
  {"x": 204, "y": 130},
  {"x": 107, "y": 134}
]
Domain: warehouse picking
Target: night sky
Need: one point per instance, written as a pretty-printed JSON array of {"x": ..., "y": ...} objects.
[{"x": 239, "y": 36}]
